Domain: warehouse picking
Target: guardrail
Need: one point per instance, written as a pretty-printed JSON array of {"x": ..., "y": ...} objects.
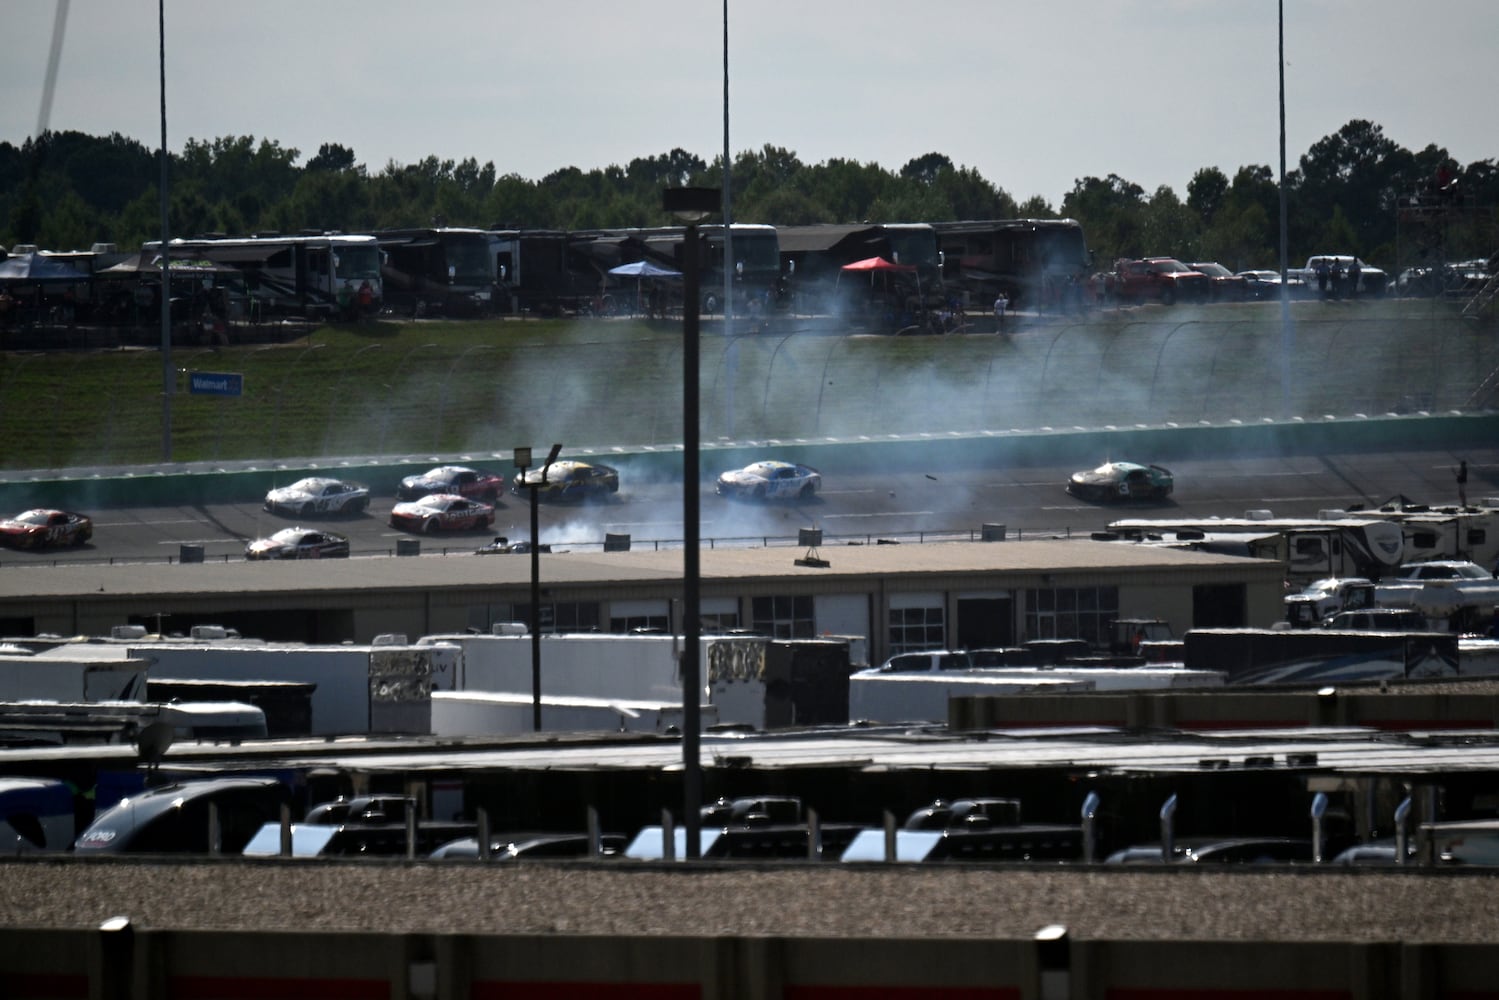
[{"x": 985, "y": 533}]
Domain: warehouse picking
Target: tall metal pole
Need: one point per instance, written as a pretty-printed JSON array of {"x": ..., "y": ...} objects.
[
  {"x": 728, "y": 238},
  {"x": 692, "y": 776},
  {"x": 167, "y": 380},
  {"x": 535, "y": 617},
  {"x": 1287, "y": 335}
]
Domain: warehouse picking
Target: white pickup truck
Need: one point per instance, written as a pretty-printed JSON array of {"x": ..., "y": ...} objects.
[{"x": 1371, "y": 280}]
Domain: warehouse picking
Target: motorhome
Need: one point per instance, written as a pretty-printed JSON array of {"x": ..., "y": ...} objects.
[
  {"x": 1337, "y": 543},
  {"x": 292, "y": 274}
]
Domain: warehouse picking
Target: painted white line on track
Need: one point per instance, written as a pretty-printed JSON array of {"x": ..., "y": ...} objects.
[
  {"x": 888, "y": 513},
  {"x": 220, "y": 540}
]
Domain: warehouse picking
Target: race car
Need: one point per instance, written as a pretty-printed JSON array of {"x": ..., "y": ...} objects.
[
  {"x": 1121, "y": 481},
  {"x": 568, "y": 480},
  {"x": 456, "y": 480},
  {"x": 441, "y": 512},
  {"x": 318, "y": 495},
  {"x": 504, "y": 546},
  {"x": 34, "y": 529},
  {"x": 770, "y": 480},
  {"x": 299, "y": 543}
]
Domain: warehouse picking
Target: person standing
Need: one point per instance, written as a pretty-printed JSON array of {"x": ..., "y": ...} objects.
[
  {"x": 1354, "y": 271},
  {"x": 1462, "y": 483}
]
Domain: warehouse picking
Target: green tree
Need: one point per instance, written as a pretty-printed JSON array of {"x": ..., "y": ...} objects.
[
  {"x": 1206, "y": 192},
  {"x": 1112, "y": 213}
]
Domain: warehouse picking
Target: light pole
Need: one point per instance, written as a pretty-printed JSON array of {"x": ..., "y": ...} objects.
[
  {"x": 1287, "y": 334},
  {"x": 728, "y": 236},
  {"x": 523, "y": 462},
  {"x": 168, "y": 377},
  {"x": 691, "y": 205}
]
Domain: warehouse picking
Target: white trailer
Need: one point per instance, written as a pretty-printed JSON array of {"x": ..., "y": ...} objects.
[
  {"x": 488, "y": 713},
  {"x": 885, "y": 697},
  {"x": 747, "y": 680},
  {"x": 379, "y": 688},
  {"x": 80, "y": 677}
]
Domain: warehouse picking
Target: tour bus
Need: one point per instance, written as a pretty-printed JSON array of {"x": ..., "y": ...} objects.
[
  {"x": 311, "y": 275},
  {"x": 754, "y": 250},
  {"x": 445, "y": 271},
  {"x": 1034, "y": 263}
]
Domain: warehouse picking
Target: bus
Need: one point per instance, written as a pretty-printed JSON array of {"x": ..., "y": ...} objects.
[
  {"x": 446, "y": 271},
  {"x": 1035, "y": 263},
  {"x": 317, "y": 275},
  {"x": 546, "y": 272},
  {"x": 756, "y": 254}
]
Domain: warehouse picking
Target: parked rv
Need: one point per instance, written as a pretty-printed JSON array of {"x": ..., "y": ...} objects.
[
  {"x": 176, "y": 818},
  {"x": 36, "y": 814}
]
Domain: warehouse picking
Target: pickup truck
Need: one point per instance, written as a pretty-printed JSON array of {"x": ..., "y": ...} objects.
[
  {"x": 1371, "y": 280},
  {"x": 1159, "y": 279}
]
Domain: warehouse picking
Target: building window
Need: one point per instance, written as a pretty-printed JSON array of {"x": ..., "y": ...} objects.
[
  {"x": 640, "y": 623},
  {"x": 717, "y": 615},
  {"x": 783, "y": 617},
  {"x": 1071, "y": 613},
  {"x": 719, "y": 622},
  {"x": 565, "y": 616},
  {"x": 915, "y": 629}
]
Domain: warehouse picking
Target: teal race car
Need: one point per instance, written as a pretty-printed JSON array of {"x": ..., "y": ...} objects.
[{"x": 1121, "y": 481}]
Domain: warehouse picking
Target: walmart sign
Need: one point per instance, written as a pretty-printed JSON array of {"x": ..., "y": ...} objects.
[{"x": 216, "y": 383}]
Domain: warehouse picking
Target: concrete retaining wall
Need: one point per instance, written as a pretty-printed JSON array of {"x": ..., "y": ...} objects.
[{"x": 144, "y": 963}]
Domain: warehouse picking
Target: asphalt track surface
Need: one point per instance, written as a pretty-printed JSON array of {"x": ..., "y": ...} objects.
[{"x": 907, "y": 502}]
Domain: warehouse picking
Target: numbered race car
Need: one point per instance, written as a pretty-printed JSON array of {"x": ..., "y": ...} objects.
[
  {"x": 441, "y": 512},
  {"x": 568, "y": 480},
  {"x": 318, "y": 495},
  {"x": 35, "y": 529},
  {"x": 299, "y": 543},
  {"x": 770, "y": 480},
  {"x": 1122, "y": 481},
  {"x": 456, "y": 480}
]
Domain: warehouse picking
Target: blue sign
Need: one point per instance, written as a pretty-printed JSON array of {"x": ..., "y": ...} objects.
[{"x": 216, "y": 383}]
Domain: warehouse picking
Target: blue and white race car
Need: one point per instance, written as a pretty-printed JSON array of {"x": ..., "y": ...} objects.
[
  {"x": 318, "y": 495},
  {"x": 770, "y": 480}
]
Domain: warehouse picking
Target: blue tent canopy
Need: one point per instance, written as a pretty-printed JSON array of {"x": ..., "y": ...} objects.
[{"x": 644, "y": 269}]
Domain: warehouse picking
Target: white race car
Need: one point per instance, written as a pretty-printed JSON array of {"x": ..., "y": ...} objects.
[
  {"x": 770, "y": 480},
  {"x": 318, "y": 495}
]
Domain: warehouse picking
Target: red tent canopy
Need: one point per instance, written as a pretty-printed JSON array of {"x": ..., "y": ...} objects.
[{"x": 877, "y": 264}]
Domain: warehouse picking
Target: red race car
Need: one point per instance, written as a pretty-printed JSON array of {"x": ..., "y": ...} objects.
[
  {"x": 35, "y": 529},
  {"x": 442, "y": 512}
]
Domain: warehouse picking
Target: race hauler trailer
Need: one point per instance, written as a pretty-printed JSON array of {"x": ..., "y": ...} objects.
[
  {"x": 747, "y": 680},
  {"x": 385, "y": 687}
]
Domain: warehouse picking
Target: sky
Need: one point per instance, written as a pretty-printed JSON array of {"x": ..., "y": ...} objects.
[{"x": 1032, "y": 96}]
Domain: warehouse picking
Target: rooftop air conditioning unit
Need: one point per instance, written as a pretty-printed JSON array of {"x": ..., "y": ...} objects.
[
  {"x": 103, "y": 248},
  {"x": 391, "y": 639},
  {"x": 508, "y": 628},
  {"x": 1330, "y": 514},
  {"x": 208, "y": 632},
  {"x": 1259, "y": 514},
  {"x": 128, "y": 632}
]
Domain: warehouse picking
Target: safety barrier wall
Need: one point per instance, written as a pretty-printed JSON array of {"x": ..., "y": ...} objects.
[
  {"x": 213, "y": 965},
  {"x": 248, "y": 483}
]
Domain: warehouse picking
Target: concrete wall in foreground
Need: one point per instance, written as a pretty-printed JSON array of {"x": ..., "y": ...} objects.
[{"x": 141, "y": 963}]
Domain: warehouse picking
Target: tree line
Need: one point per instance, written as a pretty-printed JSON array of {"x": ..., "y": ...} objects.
[{"x": 68, "y": 190}]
